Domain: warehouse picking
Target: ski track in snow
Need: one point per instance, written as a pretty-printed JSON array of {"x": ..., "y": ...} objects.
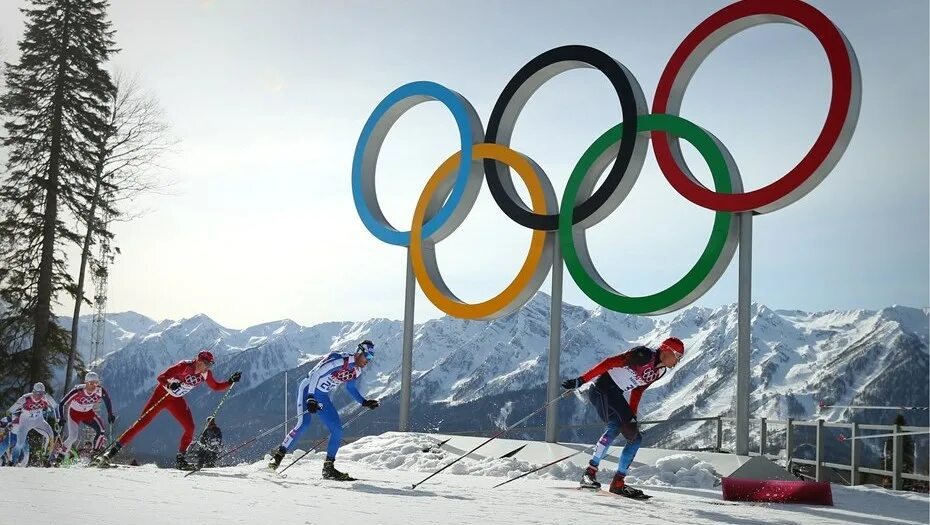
[{"x": 387, "y": 466}]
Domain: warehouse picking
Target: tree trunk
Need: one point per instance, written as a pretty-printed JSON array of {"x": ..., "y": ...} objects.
[
  {"x": 38, "y": 358},
  {"x": 79, "y": 293}
]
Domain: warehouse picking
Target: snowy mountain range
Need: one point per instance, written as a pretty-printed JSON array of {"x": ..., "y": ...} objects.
[{"x": 479, "y": 375}]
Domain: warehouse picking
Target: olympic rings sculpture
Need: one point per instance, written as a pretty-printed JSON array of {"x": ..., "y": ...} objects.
[{"x": 452, "y": 190}]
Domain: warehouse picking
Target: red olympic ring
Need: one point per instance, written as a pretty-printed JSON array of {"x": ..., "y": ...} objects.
[{"x": 830, "y": 144}]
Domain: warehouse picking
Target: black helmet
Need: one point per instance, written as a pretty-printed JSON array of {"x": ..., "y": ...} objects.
[{"x": 368, "y": 348}]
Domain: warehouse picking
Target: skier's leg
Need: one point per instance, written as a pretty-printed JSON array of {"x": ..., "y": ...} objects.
[
  {"x": 100, "y": 437},
  {"x": 330, "y": 417},
  {"x": 182, "y": 413},
  {"x": 4, "y": 447},
  {"x": 10, "y": 453},
  {"x": 149, "y": 415},
  {"x": 630, "y": 430},
  {"x": 22, "y": 443},
  {"x": 45, "y": 430},
  {"x": 600, "y": 449},
  {"x": 24, "y": 458},
  {"x": 303, "y": 421},
  {"x": 74, "y": 427},
  {"x": 603, "y": 403},
  {"x": 629, "y": 452}
]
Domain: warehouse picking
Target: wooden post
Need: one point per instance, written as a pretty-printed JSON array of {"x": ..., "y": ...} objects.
[{"x": 789, "y": 443}]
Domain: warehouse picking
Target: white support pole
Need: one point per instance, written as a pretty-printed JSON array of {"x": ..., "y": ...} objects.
[
  {"x": 555, "y": 347},
  {"x": 406, "y": 374},
  {"x": 744, "y": 311},
  {"x": 897, "y": 459}
]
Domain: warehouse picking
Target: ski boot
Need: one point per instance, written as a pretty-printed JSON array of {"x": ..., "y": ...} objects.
[
  {"x": 276, "y": 458},
  {"x": 330, "y": 472},
  {"x": 620, "y": 488},
  {"x": 589, "y": 478},
  {"x": 103, "y": 460},
  {"x": 181, "y": 462}
]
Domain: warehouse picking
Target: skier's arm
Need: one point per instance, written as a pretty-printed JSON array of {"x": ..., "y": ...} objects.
[
  {"x": 637, "y": 356},
  {"x": 17, "y": 406},
  {"x": 65, "y": 401},
  {"x": 353, "y": 391},
  {"x": 170, "y": 372},
  {"x": 106, "y": 401},
  {"x": 603, "y": 366},
  {"x": 216, "y": 385}
]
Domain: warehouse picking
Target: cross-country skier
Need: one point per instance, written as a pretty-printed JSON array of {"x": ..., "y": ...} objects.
[
  {"x": 78, "y": 406},
  {"x": 31, "y": 408},
  {"x": 313, "y": 397},
  {"x": 9, "y": 443},
  {"x": 619, "y": 385},
  {"x": 208, "y": 447},
  {"x": 173, "y": 384},
  {"x": 6, "y": 439}
]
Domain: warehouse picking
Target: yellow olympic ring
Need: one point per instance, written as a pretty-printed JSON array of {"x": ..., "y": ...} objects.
[{"x": 538, "y": 261}]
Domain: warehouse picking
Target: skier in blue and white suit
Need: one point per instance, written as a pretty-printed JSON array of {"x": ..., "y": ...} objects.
[{"x": 313, "y": 398}]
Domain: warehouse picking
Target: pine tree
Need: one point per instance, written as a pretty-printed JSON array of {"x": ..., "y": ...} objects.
[{"x": 54, "y": 109}]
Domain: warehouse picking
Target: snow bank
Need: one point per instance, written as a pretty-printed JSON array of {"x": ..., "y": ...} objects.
[
  {"x": 421, "y": 453},
  {"x": 680, "y": 470}
]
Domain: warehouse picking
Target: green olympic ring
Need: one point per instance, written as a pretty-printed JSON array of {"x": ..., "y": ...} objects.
[{"x": 717, "y": 253}]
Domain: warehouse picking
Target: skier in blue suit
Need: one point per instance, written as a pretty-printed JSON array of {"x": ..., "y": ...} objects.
[{"x": 313, "y": 398}]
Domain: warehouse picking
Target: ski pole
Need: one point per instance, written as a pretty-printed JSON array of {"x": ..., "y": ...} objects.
[
  {"x": 215, "y": 411},
  {"x": 251, "y": 440},
  {"x": 320, "y": 442},
  {"x": 822, "y": 405},
  {"x": 492, "y": 438},
  {"x": 843, "y": 438},
  {"x": 136, "y": 422},
  {"x": 537, "y": 469}
]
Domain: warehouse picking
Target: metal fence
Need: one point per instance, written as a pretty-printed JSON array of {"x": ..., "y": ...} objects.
[{"x": 897, "y": 435}]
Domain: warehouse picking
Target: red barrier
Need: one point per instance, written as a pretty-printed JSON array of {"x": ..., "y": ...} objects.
[{"x": 777, "y": 491}]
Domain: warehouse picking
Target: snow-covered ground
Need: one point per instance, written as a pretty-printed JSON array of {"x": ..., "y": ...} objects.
[{"x": 387, "y": 465}]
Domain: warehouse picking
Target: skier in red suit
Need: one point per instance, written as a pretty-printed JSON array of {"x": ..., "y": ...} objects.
[
  {"x": 173, "y": 384},
  {"x": 619, "y": 383}
]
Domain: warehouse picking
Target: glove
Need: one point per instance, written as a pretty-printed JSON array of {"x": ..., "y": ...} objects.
[
  {"x": 174, "y": 386},
  {"x": 111, "y": 418},
  {"x": 235, "y": 377},
  {"x": 570, "y": 384},
  {"x": 313, "y": 406},
  {"x": 371, "y": 404}
]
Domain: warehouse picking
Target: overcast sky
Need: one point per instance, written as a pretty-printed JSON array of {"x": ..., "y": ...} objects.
[{"x": 268, "y": 99}]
